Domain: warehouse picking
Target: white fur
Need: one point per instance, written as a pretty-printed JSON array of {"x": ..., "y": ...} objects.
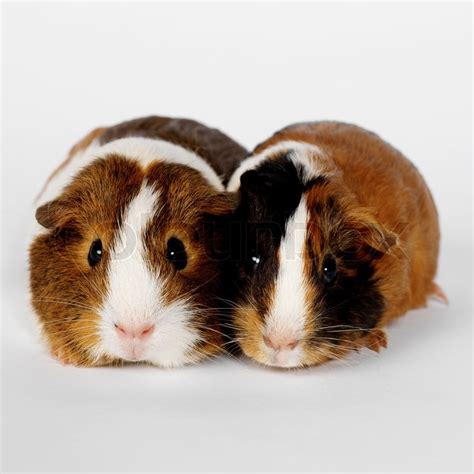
[
  {"x": 303, "y": 153},
  {"x": 286, "y": 318},
  {"x": 65, "y": 175},
  {"x": 144, "y": 150},
  {"x": 148, "y": 150},
  {"x": 135, "y": 295}
]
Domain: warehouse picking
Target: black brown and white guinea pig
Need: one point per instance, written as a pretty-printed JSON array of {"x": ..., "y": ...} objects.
[
  {"x": 338, "y": 235},
  {"x": 122, "y": 268}
]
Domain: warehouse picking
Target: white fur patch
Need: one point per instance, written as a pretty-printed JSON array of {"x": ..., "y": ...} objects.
[
  {"x": 144, "y": 150},
  {"x": 303, "y": 153},
  {"x": 286, "y": 318},
  {"x": 66, "y": 174},
  {"x": 148, "y": 150},
  {"x": 135, "y": 294}
]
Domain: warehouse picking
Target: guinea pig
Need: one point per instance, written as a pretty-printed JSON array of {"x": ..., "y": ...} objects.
[
  {"x": 122, "y": 267},
  {"x": 336, "y": 235}
]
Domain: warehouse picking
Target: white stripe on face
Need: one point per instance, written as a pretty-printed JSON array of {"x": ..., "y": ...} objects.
[
  {"x": 134, "y": 297},
  {"x": 286, "y": 318}
]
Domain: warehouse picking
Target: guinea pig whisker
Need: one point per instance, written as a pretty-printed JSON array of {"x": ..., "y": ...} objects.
[
  {"x": 74, "y": 342},
  {"x": 229, "y": 326},
  {"x": 220, "y": 333},
  {"x": 213, "y": 308},
  {"x": 189, "y": 294},
  {"x": 62, "y": 330},
  {"x": 339, "y": 304},
  {"x": 205, "y": 328},
  {"x": 232, "y": 341},
  {"x": 333, "y": 356},
  {"x": 221, "y": 351},
  {"x": 72, "y": 331},
  {"x": 226, "y": 300},
  {"x": 72, "y": 327},
  {"x": 343, "y": 331},
  {"x": 348, "y": 345},
  {"x": 356, "y": 329},
  {"x": 232, "y": 304},
  {"x": 205, "y": 310},
  {"x": 339, "y": 326},
  {"x": 345, "y": 344},
  {"x": 206, "y": 355},
  {"x": 89, "y": 329},
  {"x": 65, "y": 302},
  {"x": 347, "y": 327},
  {"x": 68, "y": 319},
  {"x": 325, "y": 338}
]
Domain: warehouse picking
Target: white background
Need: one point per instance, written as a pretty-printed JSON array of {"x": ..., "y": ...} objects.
[{"x": 401, "y": 70}]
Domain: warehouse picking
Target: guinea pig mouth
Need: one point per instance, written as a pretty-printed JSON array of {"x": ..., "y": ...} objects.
[
  {"x": 134, "y": 353},
  {"x": 284, "y": 360},
  {"x": 287, "y": 357}
]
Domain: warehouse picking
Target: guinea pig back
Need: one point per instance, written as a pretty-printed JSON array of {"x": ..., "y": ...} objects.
[
  {"x": 338, "y": 235},
  {"x": 124, "y": 266}
]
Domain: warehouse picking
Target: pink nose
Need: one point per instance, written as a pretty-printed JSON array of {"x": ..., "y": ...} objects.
[
  {"x": 140, "y": 332},
  {"x": 280, "y": 343}
]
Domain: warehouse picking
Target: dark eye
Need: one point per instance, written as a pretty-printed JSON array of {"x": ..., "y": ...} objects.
[
  {"x": 95, "y": 253},
  {"x": 176, "y": 253},
  {"x": 253, "y": 260},
  {"x": 329, "y": 269}
]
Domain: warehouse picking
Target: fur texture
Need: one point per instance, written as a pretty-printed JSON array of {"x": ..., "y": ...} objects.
[
  {"x": 105, "y": 283},
  {"x": 371, "y": 237}
]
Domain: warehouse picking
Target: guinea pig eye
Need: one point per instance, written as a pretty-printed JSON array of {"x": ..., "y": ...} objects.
[
  {"x": 95, "y": 253},
  {"x": 176, "y": 253},
  {"x": 329, "y": 269},
  {"x": 253, "y": 260}
]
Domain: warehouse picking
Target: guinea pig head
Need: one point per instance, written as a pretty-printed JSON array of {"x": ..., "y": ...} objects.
[
  {"x": 125, "y": 267},
  {"x": 306, "y": 276}
]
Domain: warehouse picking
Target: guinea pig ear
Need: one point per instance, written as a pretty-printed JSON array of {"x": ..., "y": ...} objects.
[
  {"x": 373, "y": 239},
  {"x": 379, "y": 238},
  {"x": 53, "y": 214}
]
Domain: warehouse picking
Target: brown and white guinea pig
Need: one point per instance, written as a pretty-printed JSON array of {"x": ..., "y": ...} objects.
[
  {"x": 122, "y": 268},
  {"x": 338, "y": 235}
]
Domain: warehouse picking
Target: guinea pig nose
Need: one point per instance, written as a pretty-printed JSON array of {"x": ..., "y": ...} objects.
[
  {"x": 280, "y": 344},
  {"x": 135, "y": 332}
]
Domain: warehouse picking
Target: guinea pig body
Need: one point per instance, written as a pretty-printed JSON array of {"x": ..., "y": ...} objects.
[
  {"x": 122, "y": 268},
  {"x": 338, "y": 236}
]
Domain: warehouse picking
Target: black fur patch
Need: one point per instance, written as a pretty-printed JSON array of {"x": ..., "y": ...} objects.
[
  {"x": 349, "y": 302},
  {"x": 269, "y": 196}
]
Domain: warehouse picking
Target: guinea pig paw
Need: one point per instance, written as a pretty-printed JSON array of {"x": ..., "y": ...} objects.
[
  {"x": 60, "y": 356},
  {"x": 376, "y": 340},
  {"x": 438, "y": 293}
]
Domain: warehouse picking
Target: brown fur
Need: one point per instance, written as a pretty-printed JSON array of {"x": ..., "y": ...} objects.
[
  {"x": 220, "y": 151},
  {"x": 376, "y": 205},
  {"x": 388, "y": 185},
  {"x": 78, "y": 147},
  {"x": 66, "y": 291}
]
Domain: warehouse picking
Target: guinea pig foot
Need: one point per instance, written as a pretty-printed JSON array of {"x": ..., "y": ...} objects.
[
  {"x": 438, "y": 294},
  {"x": 376, "y": 340},
  {"x": 59, "y": 355}
]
